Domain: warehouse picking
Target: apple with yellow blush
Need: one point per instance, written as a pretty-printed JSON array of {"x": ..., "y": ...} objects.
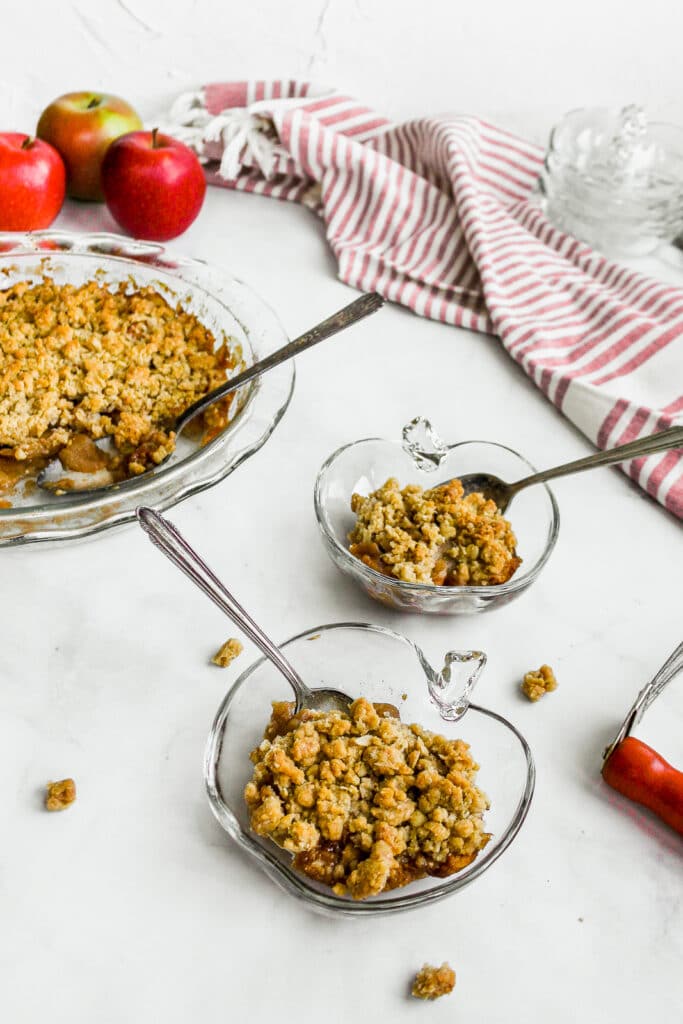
[{"x": 81, "y": 126}]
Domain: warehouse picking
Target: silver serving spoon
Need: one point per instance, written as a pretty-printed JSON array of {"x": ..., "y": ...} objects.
[
  {"x": 171, "y": 542},
  {"x": 496, "y": 489},
  {"x": 58, "y": 480}
]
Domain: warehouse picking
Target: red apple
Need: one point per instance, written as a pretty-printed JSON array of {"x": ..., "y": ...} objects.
[
  {"x": 82, "y": 125},
  {"x": 154, "y": 185},
  {"x": 32, "y": 183}
]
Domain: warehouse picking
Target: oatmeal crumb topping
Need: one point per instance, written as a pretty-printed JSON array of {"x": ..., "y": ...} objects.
[
  {"x": 89, "y": 361},
  {"x": 539, "y": 682},
  {"x": 435, "y": 536},
  {"x": 364, "y": 802},
  {"x": 433, "y": 982}
]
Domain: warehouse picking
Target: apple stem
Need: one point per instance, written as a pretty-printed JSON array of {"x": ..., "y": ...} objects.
[
  {"x": 155, "y": 132},
  {"x": 28, "y": 142},
  {"x": 94, "y": 102}
]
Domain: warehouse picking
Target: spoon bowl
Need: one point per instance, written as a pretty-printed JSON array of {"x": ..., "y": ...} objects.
[
  {"x": 325, "y": 699},
  {"x": 492, "y": 487}
]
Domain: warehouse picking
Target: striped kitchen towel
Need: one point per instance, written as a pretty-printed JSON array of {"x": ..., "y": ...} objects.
[{"x": 437, "y": 214}]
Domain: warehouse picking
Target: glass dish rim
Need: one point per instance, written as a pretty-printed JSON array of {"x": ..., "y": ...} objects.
[
  {"x": 606, "y": 108},
  {"x": 650, "y": 200},
  {"x": 151, "y": 255},
  {"x": 660, "y": 200},
  {"x": 296, "y": 884},
  {"x": 512, "y": 585}
]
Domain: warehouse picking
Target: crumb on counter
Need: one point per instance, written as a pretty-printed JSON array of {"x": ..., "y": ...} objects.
[
  {"x": 433, "y": 982},
  {"x": 539, "y": 682},
  {"x": 436, "y": 537},
  {"x": 60, "y": 794},
  {"x": 364, "y": 802},
  {"x": 230, "y": 650}
]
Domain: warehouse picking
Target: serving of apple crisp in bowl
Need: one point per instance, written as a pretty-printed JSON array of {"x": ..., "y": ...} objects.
[
  {"x": 81, "y": 363},
  {"x": 395, "y": 518},
  {"x": 382, "y": 808},
  {"x": 104, "y": 341}
]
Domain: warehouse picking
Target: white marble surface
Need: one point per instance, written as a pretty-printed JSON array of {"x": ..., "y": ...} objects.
[{"x": 133, "y": 905}]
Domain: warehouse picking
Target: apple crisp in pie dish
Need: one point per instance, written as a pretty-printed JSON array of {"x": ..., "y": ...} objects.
[
  {"x": 82, "y": 363},
  {"x": 364, "y": 802},
  {"x": 436, "y": 536}
]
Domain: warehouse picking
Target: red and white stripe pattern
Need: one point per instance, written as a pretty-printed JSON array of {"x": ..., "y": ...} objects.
[{"x": 436, "y": 214}]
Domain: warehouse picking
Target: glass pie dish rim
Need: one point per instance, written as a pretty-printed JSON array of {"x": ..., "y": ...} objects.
[
  {"x": 267, "y": 398},
  {"x": 295, "y": 883},
  {"x": 516, "y": 582}
]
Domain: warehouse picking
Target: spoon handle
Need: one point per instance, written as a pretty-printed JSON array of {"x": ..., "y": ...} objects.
[
  {"x": 343, "y": 318},
  {"x": 660, "y": 442},
  {"x": 171, "y": 542},
  {"x": 669, "y": 670}
]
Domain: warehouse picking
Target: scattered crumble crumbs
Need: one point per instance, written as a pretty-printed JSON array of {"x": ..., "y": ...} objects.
[
  {"x": 537, "y": 683},
  {"x": 404, "y": 696},
  {"x": 60, "y": 794},
  {"x": 433, "y": 982},
  {"x": 230, "y": 650}
]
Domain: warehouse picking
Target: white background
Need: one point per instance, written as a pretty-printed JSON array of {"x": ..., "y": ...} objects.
[
  {"x": 522, "y": 64},
  {"x": 133, "y": 906}
]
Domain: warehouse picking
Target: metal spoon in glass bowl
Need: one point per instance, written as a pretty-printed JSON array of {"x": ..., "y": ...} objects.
[
  {"x": 171, "y": 542},
  {"x": 59, "y": 480},
  {"x": 497, "y": 490}
]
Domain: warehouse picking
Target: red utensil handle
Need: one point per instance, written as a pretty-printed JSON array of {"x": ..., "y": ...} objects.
[{"x": 641, "y": 774}]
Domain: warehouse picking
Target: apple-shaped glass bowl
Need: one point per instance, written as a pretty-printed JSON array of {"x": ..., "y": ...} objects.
[
  {"x": 365, "y": 660},
  {"x": 423, "y": 458}
]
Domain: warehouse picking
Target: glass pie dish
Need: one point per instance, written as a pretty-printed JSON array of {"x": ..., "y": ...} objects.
[
  {"x": 383, "y": 666},
  {"x": 423, "y": 458},
  {"x": 228, "y": 307}
]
